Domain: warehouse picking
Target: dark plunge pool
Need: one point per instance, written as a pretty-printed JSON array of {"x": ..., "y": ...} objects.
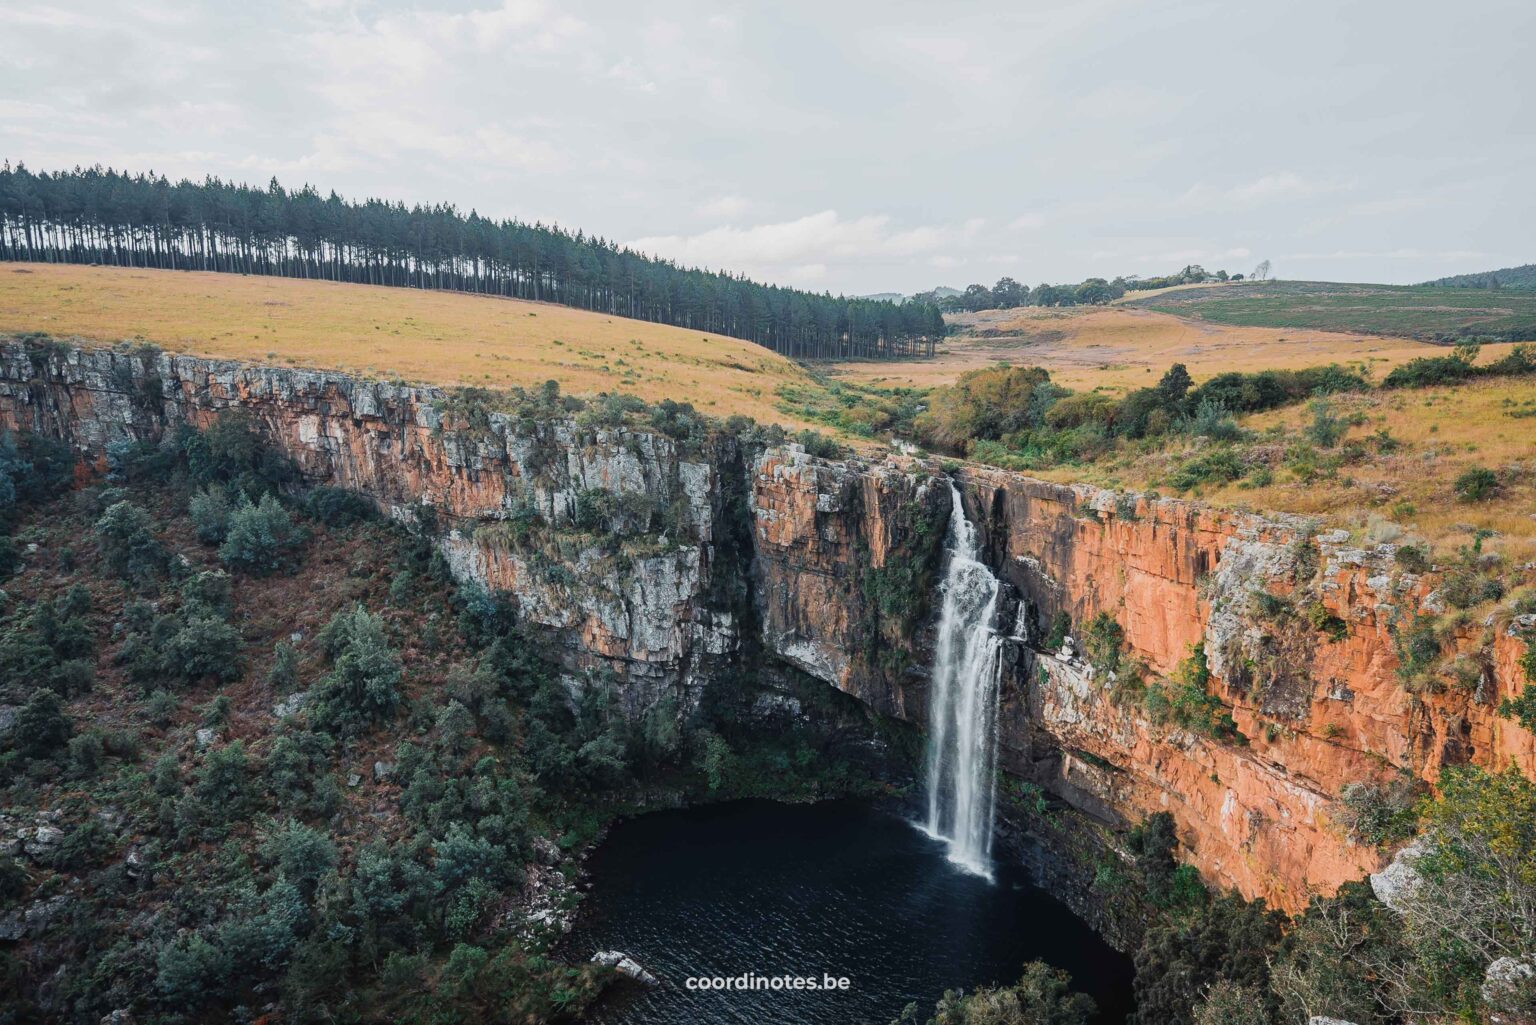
[{"x": 839, "y": 889}]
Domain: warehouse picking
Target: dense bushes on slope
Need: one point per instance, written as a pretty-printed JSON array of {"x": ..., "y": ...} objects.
[{"x": 317, "y": 781}]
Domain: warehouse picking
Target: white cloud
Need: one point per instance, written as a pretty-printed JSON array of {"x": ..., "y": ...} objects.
[
  {"x": 800, "y": 241},
  {"x": 630, "y": 73},
  {"x": 723, "y": 207},
  {"x": 1276, "y": 188}
]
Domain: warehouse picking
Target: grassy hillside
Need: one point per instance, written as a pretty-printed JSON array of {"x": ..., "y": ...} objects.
[
  {"x": 443, "y": 338},
  {"x": 1408, "y": 311},
  {"x": 1521, "y": 277},
  {"x": 1118, "y": 347}
]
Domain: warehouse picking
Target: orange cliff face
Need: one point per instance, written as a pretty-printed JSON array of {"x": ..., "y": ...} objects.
[{"x": 665, "y": 563}]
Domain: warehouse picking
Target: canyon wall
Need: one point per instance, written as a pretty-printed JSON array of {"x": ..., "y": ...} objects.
[{"x": 664, "y": 562}]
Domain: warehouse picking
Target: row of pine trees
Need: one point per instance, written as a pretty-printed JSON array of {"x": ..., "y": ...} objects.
[{"x": 101, "y": 216}]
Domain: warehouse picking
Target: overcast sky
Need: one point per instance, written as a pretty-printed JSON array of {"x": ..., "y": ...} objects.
[{"x": 848, "y": 146}]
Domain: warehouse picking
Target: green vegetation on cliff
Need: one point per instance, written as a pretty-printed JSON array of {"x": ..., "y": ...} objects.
[{"x": 259, "y": 749}]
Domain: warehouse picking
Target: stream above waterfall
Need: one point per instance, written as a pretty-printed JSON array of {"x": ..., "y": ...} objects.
[{"x": 839, "y": 888}]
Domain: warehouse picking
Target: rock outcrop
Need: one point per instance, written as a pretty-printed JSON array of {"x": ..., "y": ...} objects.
[{"x": 665, "y": 563}]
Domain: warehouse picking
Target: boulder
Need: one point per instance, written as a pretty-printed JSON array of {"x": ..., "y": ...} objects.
[
  {"x": 289, "y": 705},
  {"x": 42, "y": 841},
  {"x": 1509, "y": 989},
  {"x": 626, "y": 966},
  {"x": 1394, "y": 885},
  {"x": 546, "y": 851}
]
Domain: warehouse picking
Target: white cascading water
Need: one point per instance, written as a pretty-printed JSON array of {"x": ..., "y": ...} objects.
[{"x": 962, "y": 716}]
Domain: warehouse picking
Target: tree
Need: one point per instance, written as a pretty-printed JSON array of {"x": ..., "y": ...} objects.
[
  {"x": 1042, "y": 996},
  {"x": 1175, "y": 384},
  {"x": 261, "y": 537},
  {"x": 363, "y": 684},
  {"x": 41, "y": 730},
  {"x": 1008, "y": 293},
  {"x": 1261, "y": 272},
  {"x": 128, "y": 542},
  {"x": 96, "y": 215},
  {"x": 302, "y": 855}
]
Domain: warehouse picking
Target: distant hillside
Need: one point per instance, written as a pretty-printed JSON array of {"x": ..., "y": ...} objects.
[
  {"x": 1522, "y": 277},
  {"x": 421, "y": 336},
  {"x": 1436, "y": 314},
  {"x": 96, "y": 216}
]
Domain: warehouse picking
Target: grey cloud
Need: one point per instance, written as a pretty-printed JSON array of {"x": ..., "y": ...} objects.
[{"x": 861, "y": 146}]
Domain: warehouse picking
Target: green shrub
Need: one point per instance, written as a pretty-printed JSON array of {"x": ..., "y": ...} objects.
[
  {"x": 128, "y": 543},
  {"x": 86, "y": 752},
  {"x": 1412, "y": 558},
  {"x": 1102, "y": 641},
  {"x": 303, "y": 856},
  {"x": 1061, "y": 626},
  {"x": 161, "y": 707},
  {"x": 190, "y": 971},
  {"x": 284, "y": 674},
  {"x": 1477, "y": 485},
  {"x": 1181, "y": 956},
  {"x": 1522, "y": 709},
  {"x": 203, "y": 647},
  {"x": 223, "y": 786},
  {"x": 261, "y": 538},
  {"x": 1211, "y": 420},
  {"x": 1325, "y": 429},
  {"x": 51, "y": 644},
  {"x": 233, "y": 452},
  {"x": 338, "y": 507},
  {"x": 1219, "y": 467},
  {"x": 819, "y": 445},
  {"x": 209, "y": 510},
  {"x": 363, "y": 684},
  {"x": 1428, "y": 371},
  {"x": 1325, "y": 622},
  {"x": 1042, "y": 996},
  {"x": 41, "y": 730},
  {"x": 1380, "y": 814}
]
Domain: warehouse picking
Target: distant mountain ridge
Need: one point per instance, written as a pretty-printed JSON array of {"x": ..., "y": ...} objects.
[{"x": 1522, "y": 277}]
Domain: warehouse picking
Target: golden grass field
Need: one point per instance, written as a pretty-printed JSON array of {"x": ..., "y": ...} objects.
[
  {"x": 1117, "y": 348},
  {"x": 443, "y": 338},
  {"x": 1442, "y": 432},
  {"x": 453, "y": 339}
]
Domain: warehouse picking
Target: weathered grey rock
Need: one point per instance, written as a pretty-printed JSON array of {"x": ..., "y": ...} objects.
[
  {"x": 546, "y": 851},
  {"x": 41, "y": 842},
  {"x": 1394, "y": 885},
  {"x": 354, "y": 779},
  {"x": 289, "y": 705},
  {"x": 1509, "y": 988},
  {"x": 133, "y": 863},
  {"x": 205, "y": 737},
  {"x": 1318, "y": 1019},
  {"x": 383, "y": 771},
  {"x": 33, "y": 920},
  {"x": 626, "y": 966}
]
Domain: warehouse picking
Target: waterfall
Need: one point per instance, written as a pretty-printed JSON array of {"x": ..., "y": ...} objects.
[{"x": 962, "y": 713}]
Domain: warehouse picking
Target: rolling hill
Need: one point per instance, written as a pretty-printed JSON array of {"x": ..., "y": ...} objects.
[
  {"x": 430, "y": 337},
  {"x": 1434, "y": 314},
  {"x": 1522, "y": 277}
]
